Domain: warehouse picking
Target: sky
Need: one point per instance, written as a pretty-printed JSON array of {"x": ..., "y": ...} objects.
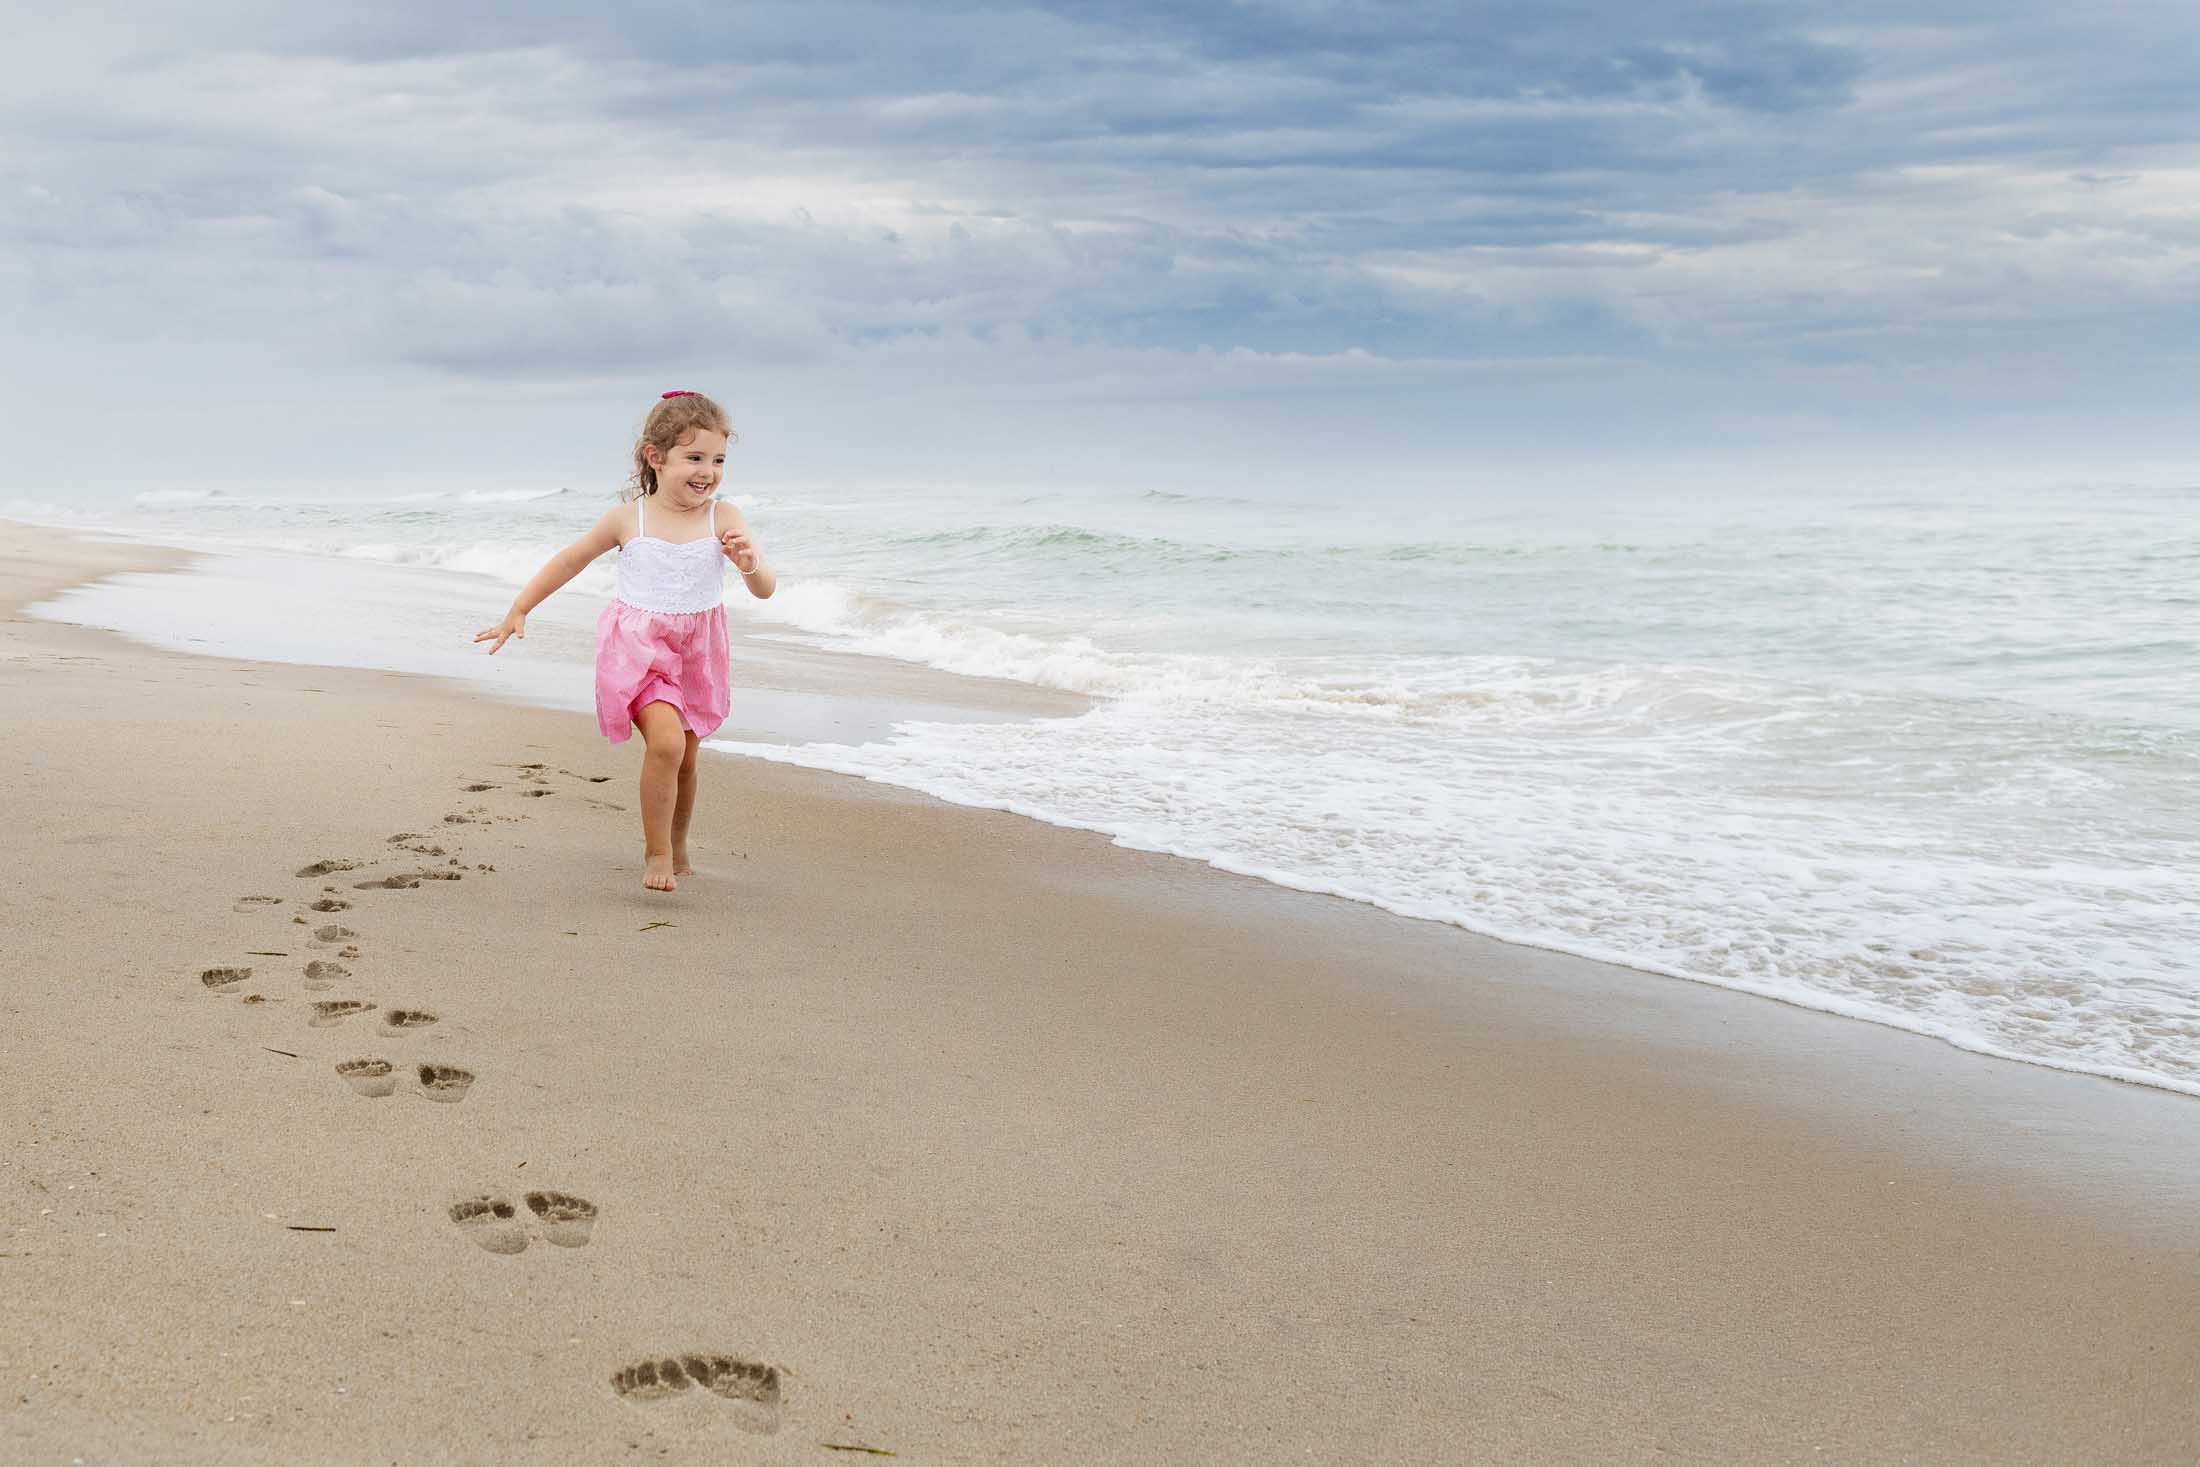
[{"x": 1358, "y": 247}]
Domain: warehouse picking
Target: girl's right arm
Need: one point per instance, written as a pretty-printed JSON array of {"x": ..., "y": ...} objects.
[{"x": 562, "y": 567}]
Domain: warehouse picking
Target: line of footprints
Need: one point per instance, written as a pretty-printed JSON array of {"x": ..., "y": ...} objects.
[{"x": 491, "y": 1222}]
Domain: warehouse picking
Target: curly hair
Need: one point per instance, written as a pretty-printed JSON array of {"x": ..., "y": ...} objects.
[{"x": 675, "y": 416}]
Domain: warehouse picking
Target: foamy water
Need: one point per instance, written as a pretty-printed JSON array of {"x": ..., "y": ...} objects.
[{"x": 1928, "y": 760}]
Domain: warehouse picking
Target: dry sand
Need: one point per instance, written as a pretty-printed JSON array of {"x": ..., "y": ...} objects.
[{"x": 1001, "y": 1143}]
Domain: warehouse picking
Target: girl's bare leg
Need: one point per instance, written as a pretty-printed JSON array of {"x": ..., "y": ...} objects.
[
  {"x": 683, "y": 808},
  {"x": 665, "y": 744}
]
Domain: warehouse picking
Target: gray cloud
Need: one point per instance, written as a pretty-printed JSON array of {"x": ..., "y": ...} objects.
[{"x": 1798, "y": 206}]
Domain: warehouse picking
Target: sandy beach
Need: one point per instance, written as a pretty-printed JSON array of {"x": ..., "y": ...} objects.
[{"x": 919, "y": 1130}]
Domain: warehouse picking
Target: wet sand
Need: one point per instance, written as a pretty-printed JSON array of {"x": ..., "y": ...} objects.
[{"x": 941, "y": 1132}]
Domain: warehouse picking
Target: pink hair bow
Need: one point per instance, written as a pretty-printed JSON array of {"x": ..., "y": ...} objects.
[{"x": 682, "y": 392}]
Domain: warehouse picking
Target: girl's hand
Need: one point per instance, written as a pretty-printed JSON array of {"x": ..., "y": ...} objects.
[
  {"x": 740, "y": 550},
  {"x": 513, "y": 625}
]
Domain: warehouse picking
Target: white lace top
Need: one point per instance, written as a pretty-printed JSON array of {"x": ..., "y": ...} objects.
[{"x": 658, "y": 575}]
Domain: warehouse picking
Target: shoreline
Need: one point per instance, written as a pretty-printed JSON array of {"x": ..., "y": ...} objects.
[
  {"x": 1008, "y": 1142},
  {"x": 795, "y": 695}
]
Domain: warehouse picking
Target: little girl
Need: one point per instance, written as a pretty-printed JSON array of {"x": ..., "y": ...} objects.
[{"x": 661, "y": 649}]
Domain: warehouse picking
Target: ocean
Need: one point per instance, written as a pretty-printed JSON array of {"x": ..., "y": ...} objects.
[{"x": 1925, "y": 758}]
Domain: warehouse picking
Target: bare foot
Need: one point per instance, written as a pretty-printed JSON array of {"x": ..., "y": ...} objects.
[
  {"x": 680, "y": 864},
  {"x": 657, "y": 874}
]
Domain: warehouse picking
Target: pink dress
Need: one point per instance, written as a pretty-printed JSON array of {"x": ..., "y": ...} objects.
[{"x": 664, "y": 639}]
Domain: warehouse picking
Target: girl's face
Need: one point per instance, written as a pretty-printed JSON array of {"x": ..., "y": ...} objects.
[{"x": 689, "y": 474}]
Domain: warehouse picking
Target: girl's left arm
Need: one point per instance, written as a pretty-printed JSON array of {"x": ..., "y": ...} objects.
[{"x": 747, "y": 559}]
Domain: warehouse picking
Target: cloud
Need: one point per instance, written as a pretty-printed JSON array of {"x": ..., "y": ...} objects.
[{"x": 1833, "y": 203}]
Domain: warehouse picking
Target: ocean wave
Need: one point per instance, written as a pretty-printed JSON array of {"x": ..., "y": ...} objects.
[
  {"x": 1512, "y": 693},
  {"x": 511, "y": 562},
  {"x": 507, "y": 496},
  {"x": 1470, "y": 553},
  {"x": 225, "y": 499},
  {"x": 52, "y": 512},
  {"x": 1176, "y": 496},
  {"x": 1075, "y": 540},
  {"x": 167, "y": 498},
  {"x": 1109, "y": 547},
  {"x": 428, "y": 496}
]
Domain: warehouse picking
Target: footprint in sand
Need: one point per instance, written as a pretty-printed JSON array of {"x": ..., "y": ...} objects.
[
  {"x": 255, "y": 903},
  {"x": 445, "y": 1083},
  {"x": 376, "y": 1077},
  {"x": 333, "y": 863},
  {"x": 331, "y": 935},
  {"x": 322, "y": 976},
  {"x": 335, "y": 1011},
  {"x": 221, "y": 980},
  {"x": 751, "y": 1386},
  {"x": 492, "y": 1223},
  {"x": 475, "y": 789},
  {"x": 497, "y": 1226},
  {"x": 566, "y": 1220},
  {"x": 370, "y": 1077},
  {"x": 329, "y": 904},
  {"x": 408, "y": 880},
  {"x": 591, "y": 778},
  {"x": 400, "y": 1021}
]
